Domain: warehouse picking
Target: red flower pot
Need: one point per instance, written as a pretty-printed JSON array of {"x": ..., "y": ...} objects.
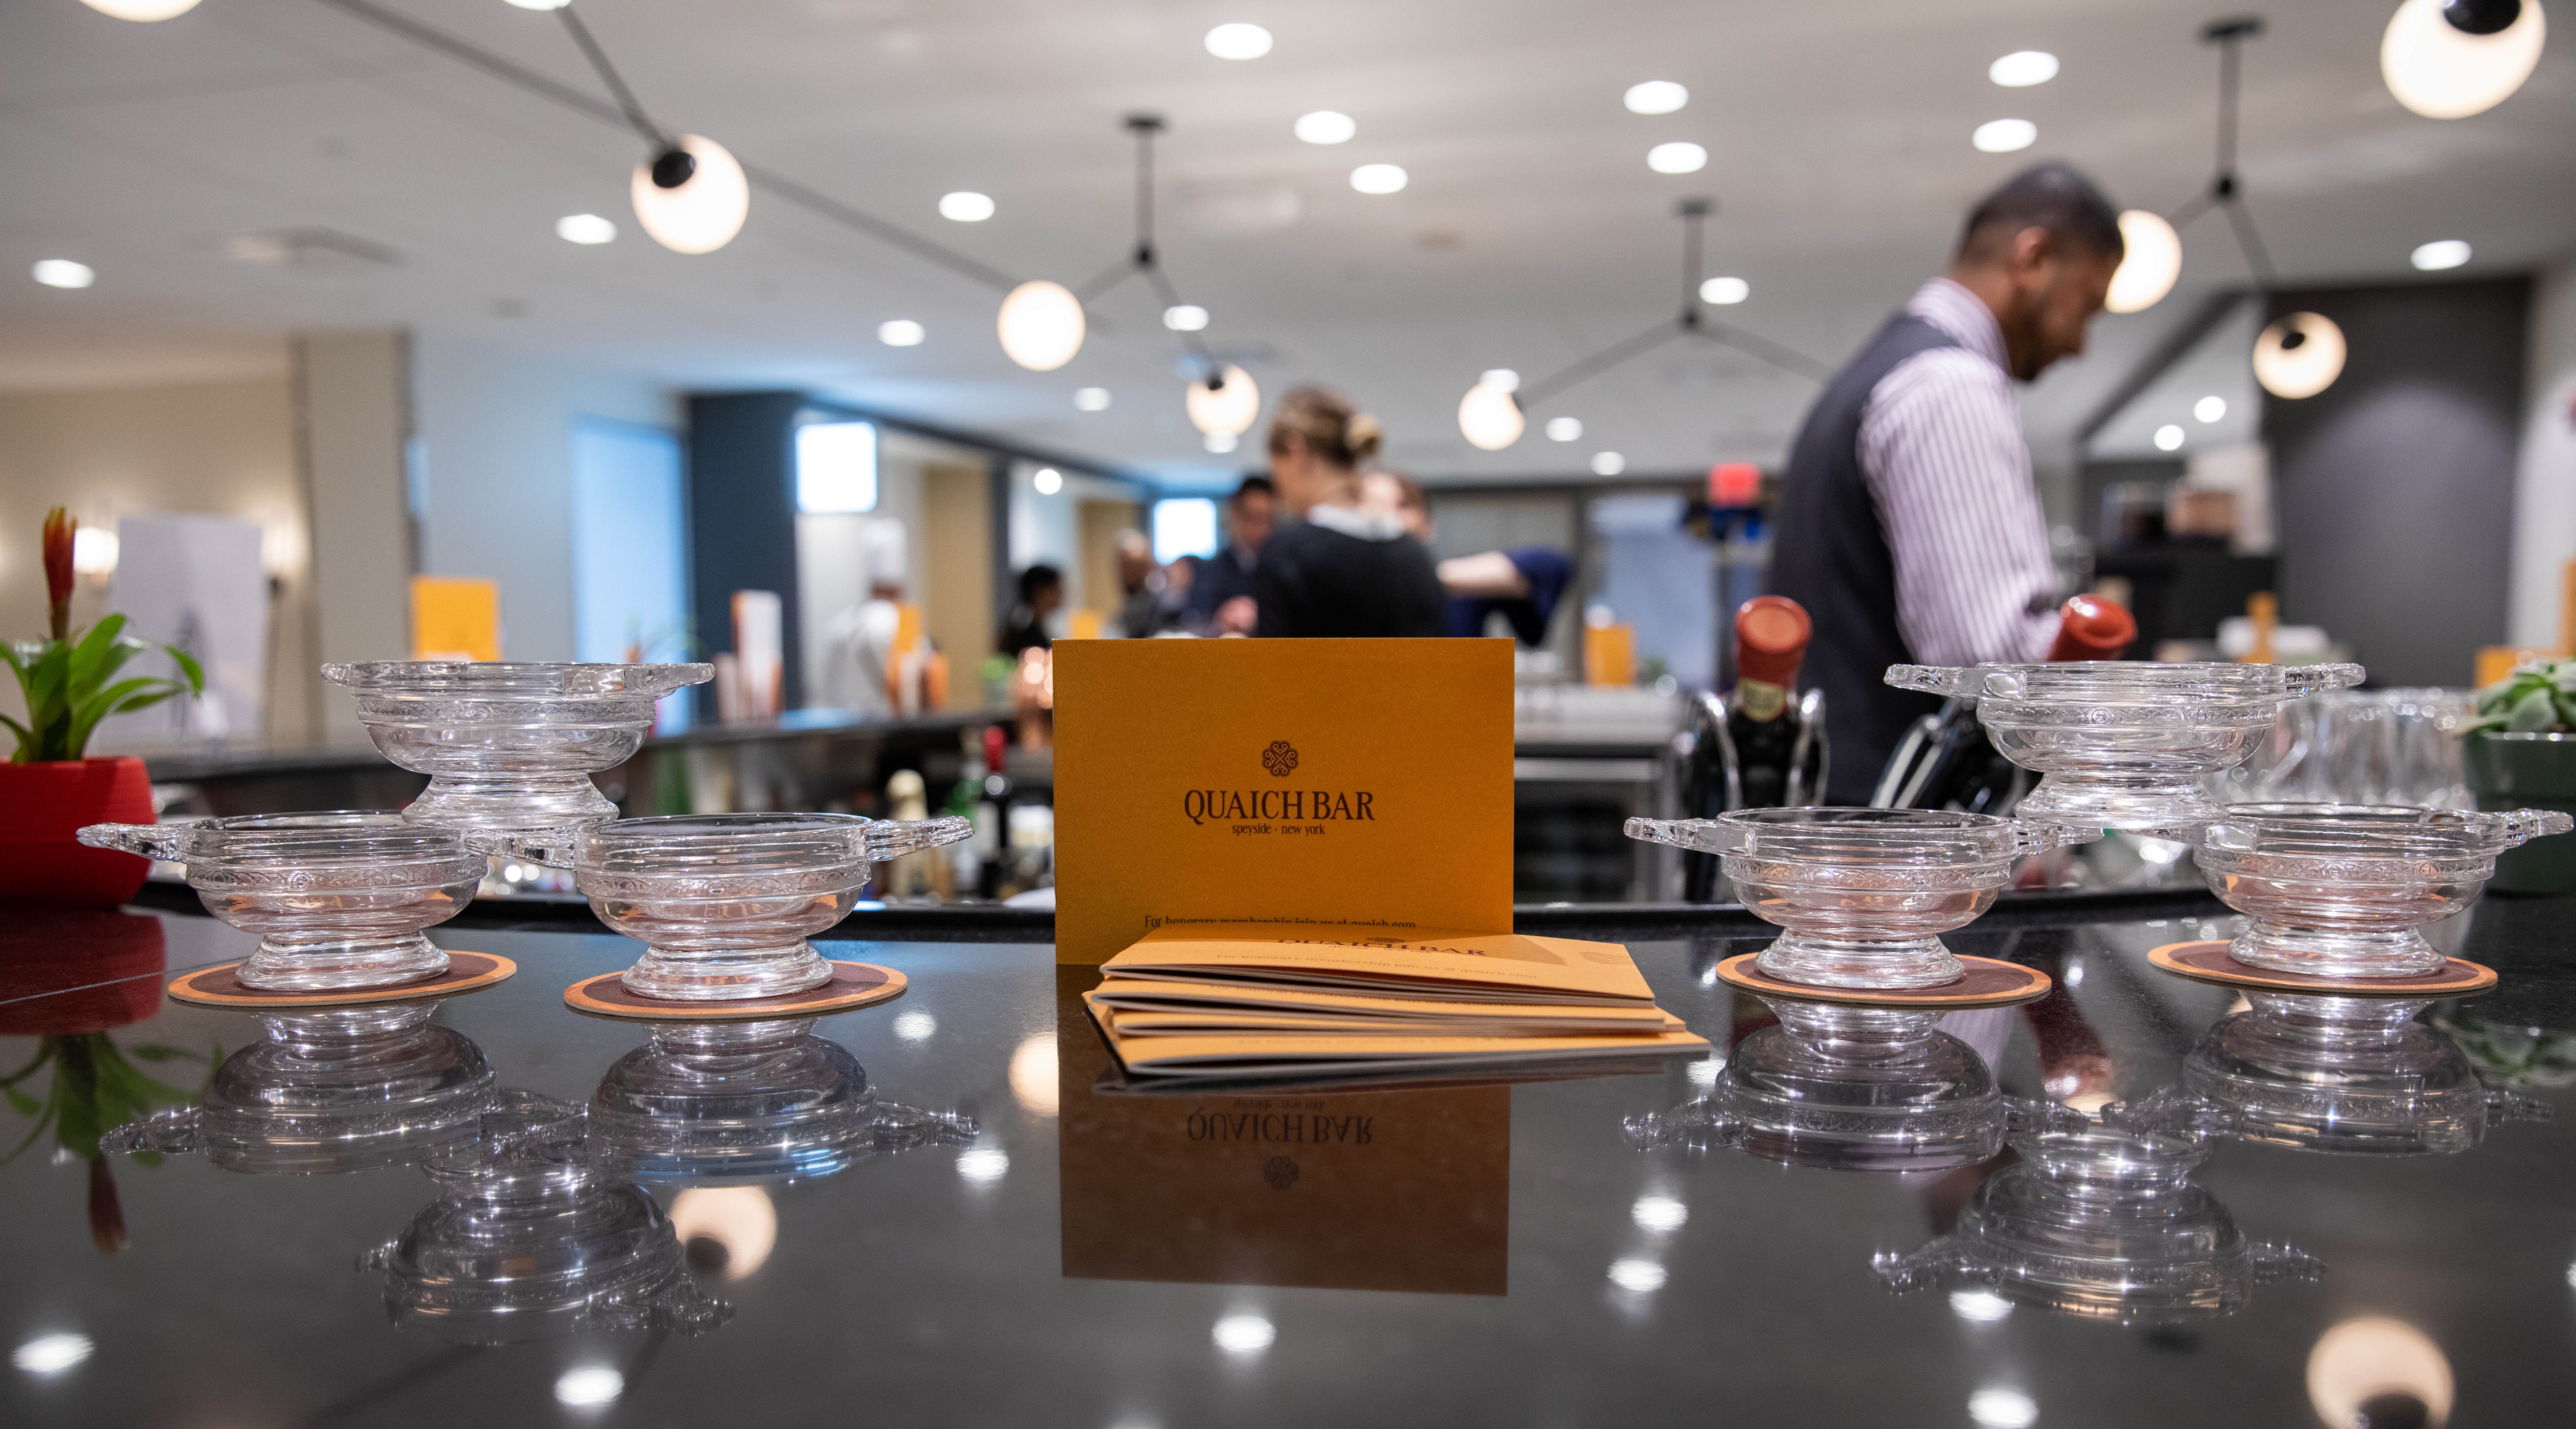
[{"x": 42, "y": 807}]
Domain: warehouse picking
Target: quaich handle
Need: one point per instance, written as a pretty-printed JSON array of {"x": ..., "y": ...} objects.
[
  {"x": 883, "y": 839},
  {"x": 2308, "y": 679},
  {"x": 150, "y": 840},
  {"x": 1703, "y": 835}
]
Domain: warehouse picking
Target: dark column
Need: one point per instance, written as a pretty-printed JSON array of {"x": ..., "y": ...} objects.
[{"x": 742, "y": 519}]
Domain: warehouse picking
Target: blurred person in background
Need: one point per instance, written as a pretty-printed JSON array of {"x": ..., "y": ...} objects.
[
  {"x": 1401, "y": 497},
  {"x": 1041, "y": 595},
  {"x": 1343, "y": 571},
  {"x": 1220, "y": 586},
  {"x": 1523, "y": 586},
  {"x": 1148, "y": 603},
  {"x": 1909, "y": 526}
]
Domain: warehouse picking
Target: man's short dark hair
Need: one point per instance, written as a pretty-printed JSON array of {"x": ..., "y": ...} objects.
[
  {"x": 2054, "y": 196},
  {"x": 1038, "y": 578},
  {"x": 1253, "y": 485}
]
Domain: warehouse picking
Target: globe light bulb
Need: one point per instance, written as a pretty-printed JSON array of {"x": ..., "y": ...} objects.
[
  {"x": 1488, "y": 417},
  {"x": 1041, "y": 325},
  {"x": 2299, "y": 356},
  {"x": 1227, "y": 411},
  {"x": 2147, "y": 272},
  {"x": 703, "y": 212},
  {"x": 2443, "y": 72}
]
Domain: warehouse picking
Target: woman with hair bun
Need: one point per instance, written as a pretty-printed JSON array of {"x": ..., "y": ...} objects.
[{"x": 1342, "y": 571}]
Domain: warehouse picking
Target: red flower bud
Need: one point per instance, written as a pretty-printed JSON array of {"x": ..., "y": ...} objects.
[{"x": 59, "y": 526}]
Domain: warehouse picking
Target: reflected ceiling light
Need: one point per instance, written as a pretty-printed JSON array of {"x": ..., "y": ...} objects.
[
  {"x": 1661, "y": 1214},
  {"x": 1238, "y": 42},
  {"x": 1185, "y": 317},
  {"x": 589, "y": 1386},
  {"x": 900, "y": 332},
  {"x": 2023, "y": 68},
  {"x": 737, "y": 1222},
  {"x": 2148, "y": 269},
  {"x": 1979, "y": 1307},
  {"x": 2002, "y": 1409},
  {"x": 1326, "y": 126},
  {"x": 1378, "y": 178},
  {"x": 983, "y": 1163},
  {"x": 1226, "y": 406},
  {"x": 143, "y": 11},
  {"x": 691, "y": 197},
  {"x": 1244, "y": 1334},
  {"x": 2444, "y": 62},
  {"x": 2299, "y": 356},
  {"x": 2003, "y": 136},
  {"x": 1608, "y": 463},
  {"x": 1656, "y": 96},
  {"x": 1704, "y": 1072},
  {"x": 2209, "y": 409},
  {"x": 1501, "y": 377},
  {"x": 1220, "y": 442},
  {"x": 2440, "y": 254},
  {"x": 1041, "y": 324},
  {"x": 1678, "y": 157},
  {"x": 1725, "y": 291},
  {"x": 585, "y": 228},
  {"x": 54, "y": 1353},
  {"x": 2376, "y": 1358},
  {"x": 1637, "y": 1275},
  {"x": 1564, "y": 429},
  {"x": 916, "y": 1026},
  {"x": 965, "y": 206},
  {"x": 94, "y": 551},
  {"x": 63, "y": 273},
  {"x": 1047, "y": 480},
  {"x": 1033, "y": 1079},
  {"x": 1091, "y": 399},
  {"x": 1489, "y": 418},
  {"x": 2168, "y": 438}
]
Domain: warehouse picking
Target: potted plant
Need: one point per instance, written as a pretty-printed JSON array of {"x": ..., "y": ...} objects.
[
  {"x": 2520, "y": 753},
  {"x": 49, "y": 789}
]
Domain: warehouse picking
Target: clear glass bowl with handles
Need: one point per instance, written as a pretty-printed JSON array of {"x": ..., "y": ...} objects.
[
  {"x": 2339, "y": 890},
  {"x": 724, "y": 902},
  {"x": 1863, "y": 893},
  {"x": 2123, "y": 744},
  {"x": 338, "y": 899},
  {"x": 508, "y": 745}
]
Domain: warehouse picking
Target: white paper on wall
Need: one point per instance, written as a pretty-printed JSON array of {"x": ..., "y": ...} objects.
[{"x": 195, "y": 582}]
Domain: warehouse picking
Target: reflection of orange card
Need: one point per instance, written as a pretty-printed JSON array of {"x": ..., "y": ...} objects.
[{"x": 1280, "y": 782}]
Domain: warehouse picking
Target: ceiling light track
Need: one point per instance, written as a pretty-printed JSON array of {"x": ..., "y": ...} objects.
[{"x": 2226, "y": 189}]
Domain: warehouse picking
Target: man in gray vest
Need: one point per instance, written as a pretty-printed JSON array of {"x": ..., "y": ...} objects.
[{"x": 1909, "y": 527}]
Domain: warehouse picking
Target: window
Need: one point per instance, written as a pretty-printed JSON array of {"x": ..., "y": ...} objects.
[
  {"x": 836, "y": 468},
  {"x": 1184, "y": 526}
]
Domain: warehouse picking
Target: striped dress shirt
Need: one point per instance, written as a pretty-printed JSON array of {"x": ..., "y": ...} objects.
[{"x": 1941, "y": 447}]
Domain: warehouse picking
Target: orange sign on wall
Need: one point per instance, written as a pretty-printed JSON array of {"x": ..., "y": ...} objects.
[{"x": 455, "y": 618}]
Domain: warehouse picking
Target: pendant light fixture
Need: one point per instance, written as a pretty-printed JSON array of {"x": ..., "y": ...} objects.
[
  {"x": 1041, "y": 325},
  {"x": 1494, "y": 413},
  {"x": 689, "y": 193},
  {"x": 2148, "y": 269},
  {"x": 2448, "y": 59},
  {"x": 2299, "y": 355},
  {"x": 1227, "y": 407}
]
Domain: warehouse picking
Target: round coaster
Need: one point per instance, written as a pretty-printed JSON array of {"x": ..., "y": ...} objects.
[
  {"x": 222, "y": 987},
  {"x": 852, "y": 985},
  {"x": 1987, "y": 983},
  {"x": 2211, "y": 962}
]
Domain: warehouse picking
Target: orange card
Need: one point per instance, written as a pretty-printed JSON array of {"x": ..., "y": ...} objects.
[{"x": 1283, "y": 783}]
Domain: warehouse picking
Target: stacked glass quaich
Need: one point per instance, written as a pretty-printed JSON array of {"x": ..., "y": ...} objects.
[
  {"x": 1863, "y": 893},
  {"x": 2123, "y": 744},
  {"x": 338, "y": 899},
  {"x": 725, "y": 902},
  {"x": 507, "y": 745},
  {"x": 2339, "y": 890}
]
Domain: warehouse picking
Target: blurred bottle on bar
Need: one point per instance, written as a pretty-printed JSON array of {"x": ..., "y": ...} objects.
[
  {"x": 1762, "y": 746},
  {"x": 1946, "y": 761},
  {"x": 2091, "y": 628}
]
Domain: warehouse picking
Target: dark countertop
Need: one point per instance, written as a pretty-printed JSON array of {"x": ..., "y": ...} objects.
[{"x": 1082, "y": 1260}]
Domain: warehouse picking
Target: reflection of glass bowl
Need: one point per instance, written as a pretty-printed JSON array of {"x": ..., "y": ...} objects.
[
  {"x": 2339, "y": 890},
  {"x": 338, "y": 899},
  {"x": 2122, "y": 744},
  {"x": 724, "y": 902},
  {"x": 1862, "y": 892},
  {"x": 325, "y": 1092},
  {"x": 508, "y": 745}
]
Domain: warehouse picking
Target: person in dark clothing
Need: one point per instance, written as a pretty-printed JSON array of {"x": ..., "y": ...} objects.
[
  {"x": 1219, "y": 582},
  {"x": 1041, "y": 592},
  {"x": 1341, "y": 572}
]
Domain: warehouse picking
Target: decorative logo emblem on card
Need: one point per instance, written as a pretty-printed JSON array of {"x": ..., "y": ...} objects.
[
  {"x": 1280, "y": 1172},
  {"x": 1280, "y": 758}
]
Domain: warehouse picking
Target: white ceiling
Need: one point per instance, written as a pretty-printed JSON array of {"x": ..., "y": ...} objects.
[{"x": 1532, "y": 233}]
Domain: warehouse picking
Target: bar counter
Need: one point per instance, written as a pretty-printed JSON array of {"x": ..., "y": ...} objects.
[{"x": 1091, "y": 1256}]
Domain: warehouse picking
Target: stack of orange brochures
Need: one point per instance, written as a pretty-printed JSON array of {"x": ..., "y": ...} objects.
[{"x": 1251, "y": 1000}]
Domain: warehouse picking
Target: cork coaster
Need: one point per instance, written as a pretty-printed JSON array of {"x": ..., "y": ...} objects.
[
  {"x": 2211, "y": 962},
  {"x": 852, "y": 985},
  {"x": 222, "y": 987},
  {"x": 1986, "y": 983}
]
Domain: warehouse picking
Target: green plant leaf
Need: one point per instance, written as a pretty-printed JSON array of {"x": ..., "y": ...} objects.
[
  {"x": 99, "y": 706},
  {"x": 91, "y": 655},
  {"x": 2532, "y": 712},
  {"x": 25, "y": 1104},
  {"x": 189, "y": 668}
]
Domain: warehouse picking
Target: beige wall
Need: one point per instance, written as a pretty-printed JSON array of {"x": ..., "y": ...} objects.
[
  {"x": 219, "y": 448},
  {"x": 956, "y": 582}
]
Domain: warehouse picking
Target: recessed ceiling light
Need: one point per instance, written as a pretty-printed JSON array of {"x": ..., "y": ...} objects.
[
  {"x": 1678, "y": 157},
  {"x": 1501, "y": 379},
  {"x": 1326, "y": 126},
  {"x": 965, "y": 207},
  {"x": 2168, "y": 438},
  {"x": 142, "y": 10},
  {"x": 1608, "y": 463},
  {"x": 1185, "y": 317},
  {"x": 1378, "y": 178},
  {"x": 1048, "y": 481},
  {"x": 2023, "y": 68},
  {"x": 2002, "y": 136},
  {"x": 2209, "y": 409},
  {"x": 900, "y": 332},
  {"x": 1091, "y": 399},
  {"x": 2444, "y": 253},
  {"x": 1656, "y": 96},
  {"x": 1238, "y": 42},
  {"x": 1725, "y": 291},
  {"x": 63, "y": 273},
  {"x": 1564, "y": 429},
  {"x": 585, "y": 228}
]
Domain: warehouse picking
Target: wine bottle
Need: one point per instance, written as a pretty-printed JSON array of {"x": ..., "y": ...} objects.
[
  {"x": 1946, "y": 761},
  {"x": 1761, "y": 746}
]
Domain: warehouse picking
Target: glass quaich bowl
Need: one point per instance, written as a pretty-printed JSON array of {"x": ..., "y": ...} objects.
[
  {"x": 338, "y": 899},
  {"x": 724, "y": 902},
  {"x": 509, "y": 745},
  {"x": 2123, "y": 744},
  {"x": 2340, "y": 890},
  {"x": 1863, "y": 893}
]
